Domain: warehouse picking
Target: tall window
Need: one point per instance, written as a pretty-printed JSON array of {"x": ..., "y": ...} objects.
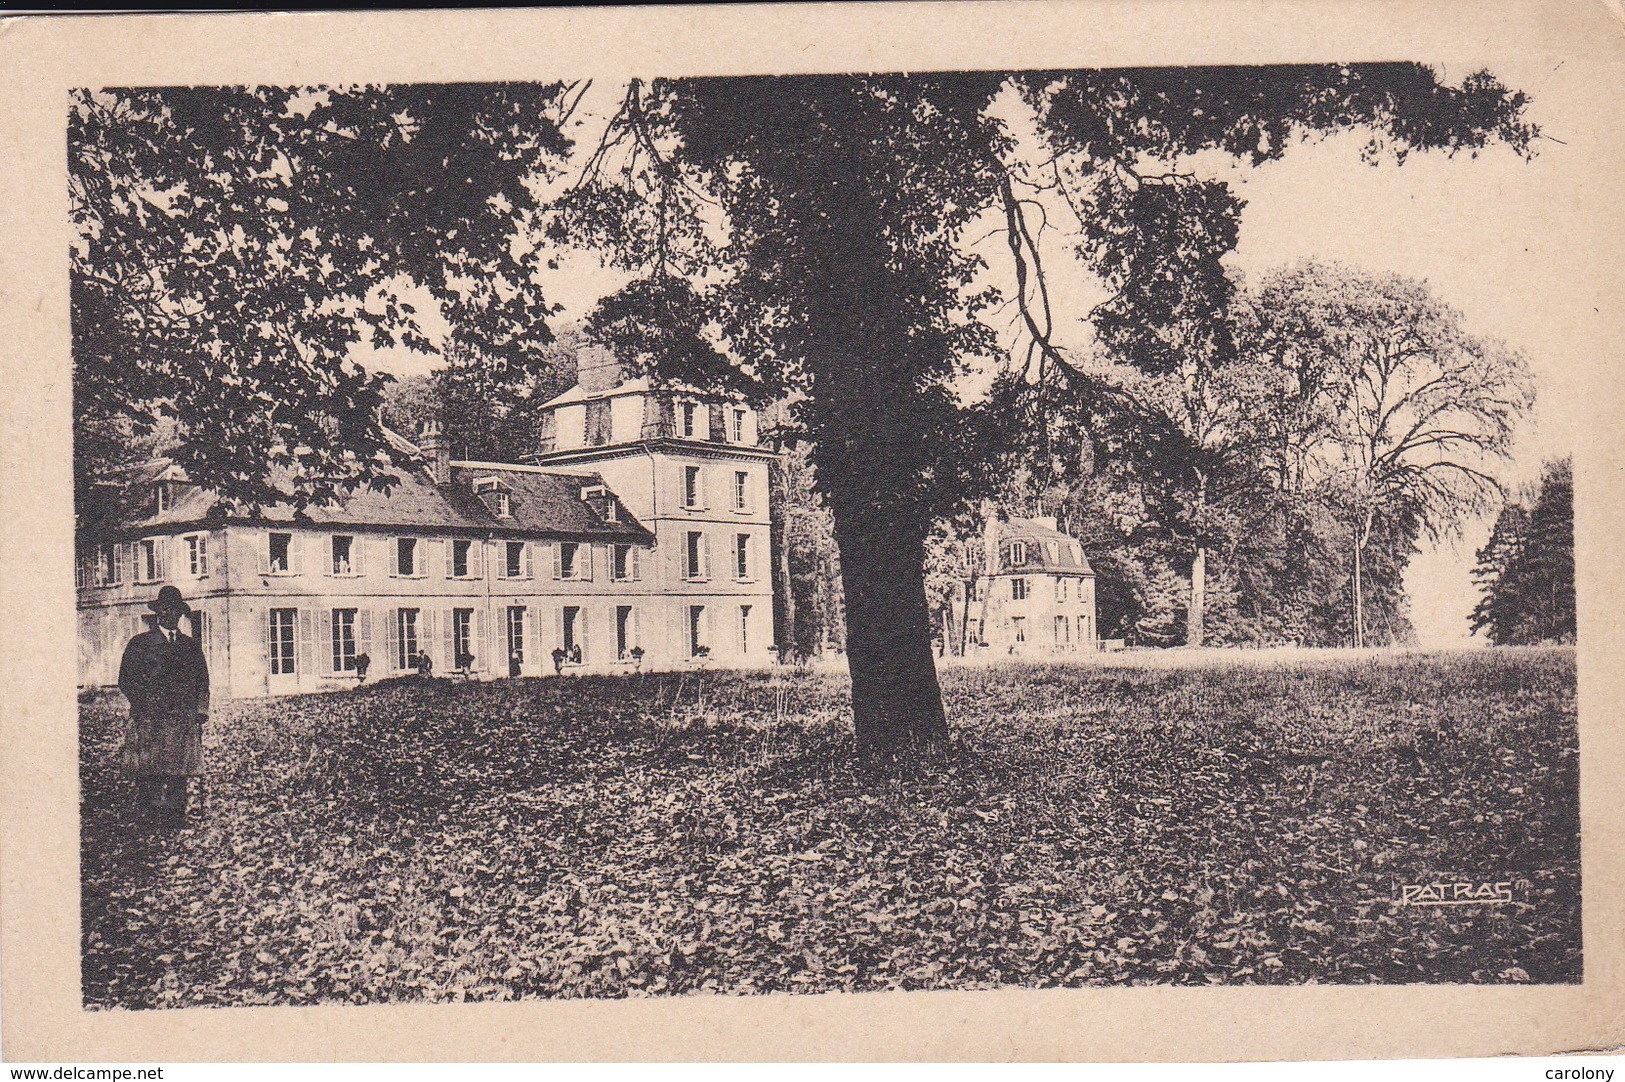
[
  {"x": 1085, "y": 632},
  {"x": 694, "y": 556},
  {"x": 161, "y": 497},
  {"x": 197, "y": 555},
  {"x": 696, "y": 630},
  {"x": 515, "y": 564},
  {"x": 462, "y": 637},
  {"x": 282, "y": 641},
  {"x": 738, "y": 420},
  {"x": 692, "y": 491},
  {"x": 146, "y": 561},
  {"x": 343, "y": 555},
  {"x": 108, "y": 569},
  {"x": 516, "y": 634},
  {"x": 504, "y": 505},
  {"x": 742, "y": 557},
  {"x": 344, "y": 640},
  {"x": 623, "y": 563},
  {"x": 688, "y": 419},
  {"x": 1063, "y": 631},
  {"x": 574, "y": 633},
  {"x": 406, "y": 628},
  {"x": 1060, "y": 588},
  {"x": 1018, "y": 589},
  {"x": 280, "y": 554},
  {"x": 741, "y": 490},
  {"x": 626, "y": 635},
  {"x": 1018, "y": 553},
  {"x": 744, "y": 629},
  {"x": 406, "y": 556},
  {"x": 459, "y": 558},
  {"x": 569, "y": 560}
]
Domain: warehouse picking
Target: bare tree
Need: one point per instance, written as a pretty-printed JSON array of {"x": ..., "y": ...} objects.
[{"x": 1424, "y": 410}]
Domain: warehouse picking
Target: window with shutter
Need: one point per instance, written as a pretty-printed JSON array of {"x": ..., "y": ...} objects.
[
  {"x": 429, "y": 637},
  {"x": 392, "y": 639},
  {"x": 307, "y": 641},
  {"x": 279, "y": 555},
  {"x": 696, "y": 630},
  {"x": 341, "y": 562},
  {"x": 363, "y": 635},
  {"x": 625, "y": 632}
]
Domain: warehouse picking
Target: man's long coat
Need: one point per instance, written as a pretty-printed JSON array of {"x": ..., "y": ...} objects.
[{"x": 167, "y": 684}]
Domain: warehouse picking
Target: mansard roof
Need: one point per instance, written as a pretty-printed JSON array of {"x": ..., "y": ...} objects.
[
  {"x": 543, "y": 504},
  {"x": 1036, "y": 535}
]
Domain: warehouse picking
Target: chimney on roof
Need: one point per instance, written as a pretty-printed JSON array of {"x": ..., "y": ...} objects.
[
  {"x": 598, "y": 370},
  {"x": 432, "y": 442}
]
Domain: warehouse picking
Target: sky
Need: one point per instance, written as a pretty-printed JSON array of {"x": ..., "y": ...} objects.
[{"x": 1501, "y": 238}]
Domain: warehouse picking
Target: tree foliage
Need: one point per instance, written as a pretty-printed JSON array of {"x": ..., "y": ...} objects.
[
  {"x": 1526, "y": 569},
  {"x": 234, "y": 244}
]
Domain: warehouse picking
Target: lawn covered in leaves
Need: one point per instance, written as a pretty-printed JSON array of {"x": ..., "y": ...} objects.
[{"x": 1211, "y": 822}]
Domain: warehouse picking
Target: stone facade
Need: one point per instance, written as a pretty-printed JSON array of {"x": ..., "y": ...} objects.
[
  {"x": 1036, "y": 596},
  {"x": 636, "y": 537}
]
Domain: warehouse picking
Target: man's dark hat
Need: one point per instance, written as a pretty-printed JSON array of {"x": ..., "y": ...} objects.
[{"x": 169, "y": 598}]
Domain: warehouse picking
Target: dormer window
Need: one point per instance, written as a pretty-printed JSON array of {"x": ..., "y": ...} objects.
[
  {"x": 737, "y": 421},
  {"x": 1018, "y": 553},
  {"x": 688, "y": 419},
  {"x": 494, "y": 492},
  {"x": 162, "y": 497},
  {"x": 600, "y": 499}
]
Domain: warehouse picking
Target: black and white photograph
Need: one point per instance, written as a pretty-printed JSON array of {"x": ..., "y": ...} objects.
[{"x": 890, "y": 530}]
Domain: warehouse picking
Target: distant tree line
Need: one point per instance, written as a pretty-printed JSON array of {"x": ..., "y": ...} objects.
[
  {"x": 1268, "y": 481},
  {"x": 1525, "y": 571}
]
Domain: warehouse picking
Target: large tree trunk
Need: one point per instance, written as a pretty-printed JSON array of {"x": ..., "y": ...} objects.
[
  {"x": 896, "y": 701},
  {"x": 1196, "y": 607}
]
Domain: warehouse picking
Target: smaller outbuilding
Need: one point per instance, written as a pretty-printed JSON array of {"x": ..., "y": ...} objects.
[{"x": 1036, "y": 594}]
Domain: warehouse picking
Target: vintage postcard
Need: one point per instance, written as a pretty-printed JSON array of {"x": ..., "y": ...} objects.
[{"x": 872, "y": 531}]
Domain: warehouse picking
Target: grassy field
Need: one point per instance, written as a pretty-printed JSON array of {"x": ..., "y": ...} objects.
[{"x": 1193, "y": 822}]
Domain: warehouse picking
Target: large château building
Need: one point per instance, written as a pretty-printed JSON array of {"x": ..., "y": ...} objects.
[{"x": 636, "y": 536}]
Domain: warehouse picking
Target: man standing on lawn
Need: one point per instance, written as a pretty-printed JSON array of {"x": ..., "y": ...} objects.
[{"x": 166, "y": 680}]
